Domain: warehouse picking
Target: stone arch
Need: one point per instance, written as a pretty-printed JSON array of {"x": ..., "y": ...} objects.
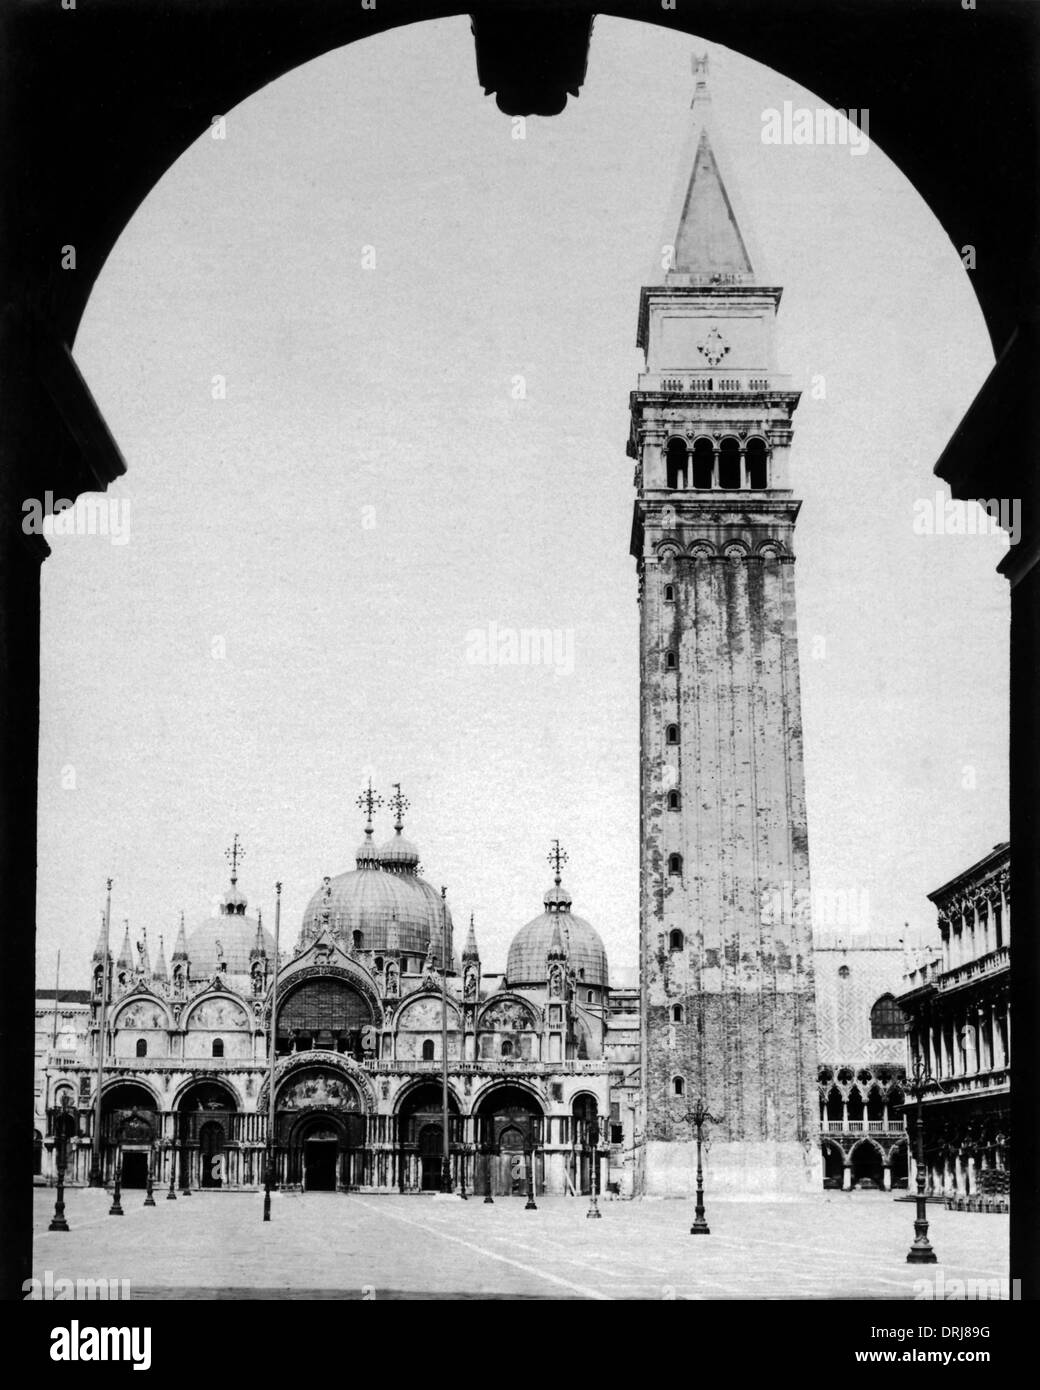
[
  {"x": 406, "y": 1097},
  {"x": 300, "y": 1061},
  {"x": 153, "y": 1005},
  {"x": 198, "y": 1082},
  {"x": 866, "y": 1159}
]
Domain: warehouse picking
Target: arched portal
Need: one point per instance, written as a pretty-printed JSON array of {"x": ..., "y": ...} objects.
[
  {"x": 867, "y": 1167},
  {"x": 208, "y": 1131},
  {"x": 509, "y": 1121},
  {"x": 129, "y": 1130},
  {"x": 320, "y": 1130},
  {"x": 833, "y": 1164},
  {"x": 420, "y": 1136},
  {"x": 584, "y": 1140}
]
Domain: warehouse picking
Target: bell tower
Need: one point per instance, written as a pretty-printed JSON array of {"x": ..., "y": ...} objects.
[{"x": 728, "y": 1011}]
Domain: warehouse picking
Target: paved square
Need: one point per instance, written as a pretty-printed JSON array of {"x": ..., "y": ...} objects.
[{"x": 324, "y": 1245}]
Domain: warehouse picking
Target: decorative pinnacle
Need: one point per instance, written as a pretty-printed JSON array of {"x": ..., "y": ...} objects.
[
  {"x": 398, "y": 804},
  {"x": 557, "y": 858},
  {"x": 233, "y": 855},
  {"x": 368, "y": 802}
]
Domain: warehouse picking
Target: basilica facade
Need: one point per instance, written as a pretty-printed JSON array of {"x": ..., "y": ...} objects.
[{"x": 539, "y": 1059}]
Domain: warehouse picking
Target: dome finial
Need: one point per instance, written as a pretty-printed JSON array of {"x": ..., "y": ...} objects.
[
  {"x": 369, "y": 801},
  {"x": 557, "y": 858},
  {"x": 233, "y": 855},
  {"x": 398, "y": 804}
]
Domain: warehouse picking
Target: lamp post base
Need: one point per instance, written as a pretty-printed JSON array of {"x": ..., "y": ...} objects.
[
  {"x": 921, "y": 1255},
  {"x": 700, "y": 1227}
]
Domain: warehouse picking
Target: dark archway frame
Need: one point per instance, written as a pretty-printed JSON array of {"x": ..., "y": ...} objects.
[{"x": 99, "y": 101}]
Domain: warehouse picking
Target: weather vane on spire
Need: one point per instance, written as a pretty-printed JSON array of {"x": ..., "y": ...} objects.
[
  {"x": 369, "y": 801},
  {"x": 233, "y": 855},
  {"x": 398, "y": 804},
  {"x": 557, "y": 858},
  {"x": 699, "y": 68}
]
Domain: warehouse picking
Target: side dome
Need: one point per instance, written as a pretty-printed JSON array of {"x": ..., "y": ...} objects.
[
  {"x": 586, "y": 955},
  {"x": 228, "y": 938}
]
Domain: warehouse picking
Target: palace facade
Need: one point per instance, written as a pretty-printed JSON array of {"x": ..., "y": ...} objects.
[{"x": 958, "y": 1011}]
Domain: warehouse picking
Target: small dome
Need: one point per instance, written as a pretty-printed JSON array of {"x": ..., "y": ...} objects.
[
  {"x": 235, "y": 900},
  {"x": 399, "y": 852},
  {"x": 586, "y": 954},
  {"x": 229, "y": 937},
  {"x": 367, "y": 853},
  {"x": 557, "y": 898}
]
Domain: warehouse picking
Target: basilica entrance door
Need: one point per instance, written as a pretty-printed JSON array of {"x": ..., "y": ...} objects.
[
  {"x": 509, "y": 1177},
  {"x": 319, "y": 1165},
  {"x": 211, "y": 1154},
  {"x": 431, "y": 1149},
  {"x": 135, "y": 1169}
]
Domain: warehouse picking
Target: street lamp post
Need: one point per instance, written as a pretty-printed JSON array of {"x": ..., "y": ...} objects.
[
  {"x": 700, "y": 1116},
  {"x": 171, "y": 1196},
  {"x": 919, "y": 1083},
  {"x": 530, "y": 1204},
  {"x": 61, "y": 1122},
  {"x": 116, "y": 1209},
  {"x": 97, "y": 1165},
  {"x": 486, "y": 1150},
  {"x": 592, "y": 1135},
  {"x": 272, "y": 1056},
  {"x": 149, "y": 1194}
]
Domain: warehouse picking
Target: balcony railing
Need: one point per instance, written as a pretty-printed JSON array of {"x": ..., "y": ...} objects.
[
  {"x": 895, "y": 1125},
  {"x": 990, "y": 964},
  {"x": 712, "y": 383}
]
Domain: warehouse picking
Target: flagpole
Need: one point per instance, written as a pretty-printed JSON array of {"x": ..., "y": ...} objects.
[
  {"x": 272, "y": 1047},
  {"x": 446, "y": 1153},
  {"x": 57, "y": 988},
  {"x": 97, "y": 1175}
]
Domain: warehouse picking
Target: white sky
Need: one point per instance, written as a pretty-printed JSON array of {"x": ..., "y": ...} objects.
[{"x": 392, "y": 388}]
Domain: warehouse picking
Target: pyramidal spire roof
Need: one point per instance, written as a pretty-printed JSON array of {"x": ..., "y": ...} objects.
[
  {"x": 125, "y": 959},
  {"x": 705, "y": 227},
  {"x": 469, "y": 951}
]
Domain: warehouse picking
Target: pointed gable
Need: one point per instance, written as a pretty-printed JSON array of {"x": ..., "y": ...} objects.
[{"x": 708, "y": 241}]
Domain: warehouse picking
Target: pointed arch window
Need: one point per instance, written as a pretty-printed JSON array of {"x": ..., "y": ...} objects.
[
  {"x": 671, "y": 661},
  {"x": 677, "y": 1013},
  {"x": 669, "y": 593},
  {"x": 507, "y": 1047},
  {"x": 674, "y": 801},
  {"x": 678, "y": 1086}
]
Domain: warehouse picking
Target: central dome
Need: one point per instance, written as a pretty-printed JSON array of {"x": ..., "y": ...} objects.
[{"x": 379, "y": 904}]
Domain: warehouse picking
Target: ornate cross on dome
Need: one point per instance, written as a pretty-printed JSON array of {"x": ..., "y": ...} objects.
[
  {"x": 557, "y": 858},
  {"x": 369, "y": 801},
  {"x": 233, "y": 855},
  {"x": 398, "y": 804}
]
